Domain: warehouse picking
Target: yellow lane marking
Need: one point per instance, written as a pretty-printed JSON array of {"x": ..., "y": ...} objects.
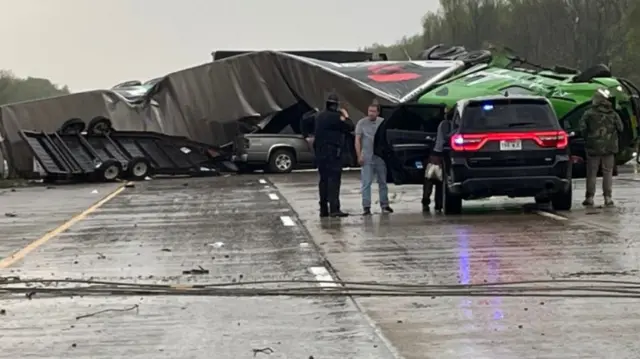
[{"x": 15, "y": 257}]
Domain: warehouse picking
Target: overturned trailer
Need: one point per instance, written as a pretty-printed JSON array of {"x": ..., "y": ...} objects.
[{"x": 102, "y": 154}]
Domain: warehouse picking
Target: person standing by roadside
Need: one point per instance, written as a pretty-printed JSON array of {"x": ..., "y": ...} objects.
[
  {"x": 371, "y": 165},
  {"x": 436, "y": 158},
  {"x": 330, "y": 127},
  {"x": 600, "y": 127}
]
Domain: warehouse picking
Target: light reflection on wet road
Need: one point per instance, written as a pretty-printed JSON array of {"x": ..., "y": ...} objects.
[
  {"x": 242, "y": 228},
  {"x": 495, "y": 240}
]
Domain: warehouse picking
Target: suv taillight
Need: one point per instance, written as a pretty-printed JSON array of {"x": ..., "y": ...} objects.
[
  {"x": 557, "y": 139},
  {"x": 474, "y": 142}
]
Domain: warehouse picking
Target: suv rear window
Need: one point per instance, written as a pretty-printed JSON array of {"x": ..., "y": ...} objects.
[
  {"x": 509, "y": 115},
  {"x": 410, "y": 117}
]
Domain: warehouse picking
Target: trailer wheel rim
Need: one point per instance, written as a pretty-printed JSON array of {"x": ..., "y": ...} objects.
[
  {"x": 140, "y": 169},
  {"x": 101, "y": 128},
  {"x": 283, "y": 162},
  {"x": 111, "y": 172}
]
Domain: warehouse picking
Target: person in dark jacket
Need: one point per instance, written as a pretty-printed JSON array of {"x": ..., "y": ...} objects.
[
  {"x": 331, "y": 126},
  {"x": 600, "y": 127},
  {"x": 436, "y": 158}
]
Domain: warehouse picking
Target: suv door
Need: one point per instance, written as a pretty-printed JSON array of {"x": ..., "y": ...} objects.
[
  {"x": 405, "y": 139},
  {"x": 576, "y": 143}
]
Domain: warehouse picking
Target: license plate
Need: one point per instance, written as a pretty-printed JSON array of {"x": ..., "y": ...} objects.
[{"x": 511, "y": 145}]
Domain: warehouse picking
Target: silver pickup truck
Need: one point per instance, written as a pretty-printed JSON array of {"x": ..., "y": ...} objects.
[
  {"x": 278, "y": 153},
  {"x": 275, "y": 153}
]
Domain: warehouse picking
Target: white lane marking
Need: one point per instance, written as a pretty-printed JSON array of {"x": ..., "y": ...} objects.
[
  {"x": 287, "y": 221},
  {"x": 323, "y": 276},
  {"x": 273, "y": 196},
  {"x": 551, "y": 215},
  {"x": 262, "y": 181},
  {"x": 304, "y": 245}
]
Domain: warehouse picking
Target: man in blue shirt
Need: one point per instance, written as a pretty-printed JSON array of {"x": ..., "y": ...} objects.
[{"x": 372, "y": 165}]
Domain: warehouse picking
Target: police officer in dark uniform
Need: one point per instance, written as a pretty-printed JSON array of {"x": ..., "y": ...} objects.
[{"x": 331, "y": 125}]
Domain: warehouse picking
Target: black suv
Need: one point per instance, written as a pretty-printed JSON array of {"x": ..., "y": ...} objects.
[{"x": 496, "y": 146}]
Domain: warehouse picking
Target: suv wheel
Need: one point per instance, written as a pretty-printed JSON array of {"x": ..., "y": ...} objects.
[
  {"x": 451, "y": 202},
  {"x": 282, "y": 161},
  {"x": 562, "y": 201}
]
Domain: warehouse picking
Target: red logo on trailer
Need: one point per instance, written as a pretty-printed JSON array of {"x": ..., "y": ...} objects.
[{"x": 390, "y": 73}]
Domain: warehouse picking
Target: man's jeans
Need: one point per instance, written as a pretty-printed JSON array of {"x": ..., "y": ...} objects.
[{"x": 374, "y": 167}]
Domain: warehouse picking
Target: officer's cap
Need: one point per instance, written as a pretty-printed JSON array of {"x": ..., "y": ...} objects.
[{"x": 333, "y": 98}]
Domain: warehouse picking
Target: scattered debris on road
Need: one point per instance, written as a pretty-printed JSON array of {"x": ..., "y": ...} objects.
[
  {"x": 135, "y": 306},
  {"x": 199, "y": 270},
  {"x": 267, "y": 351}
]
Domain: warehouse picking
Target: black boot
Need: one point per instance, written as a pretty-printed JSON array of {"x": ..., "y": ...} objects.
[
  {"x": 339, "y": 214},
  {"x": 425, "y": 204},
  {"x": 324, "y": 210}
]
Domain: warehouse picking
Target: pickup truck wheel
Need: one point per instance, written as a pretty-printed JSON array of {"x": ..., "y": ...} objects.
[
  {"x": 282, "y": 161},
  {"x": 563, "y": 200},
  {"x": 451, "y": 202}
]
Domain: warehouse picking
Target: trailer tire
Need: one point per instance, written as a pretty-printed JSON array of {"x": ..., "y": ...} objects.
[
  {"x": 73, "y": 126},
  {"x": 138, "y": 169},
  {"x": 599, "y": 70},
  {"x": 475, "y": 57},
  {"x": 108, "y": 171},
  {"x": 99, "y": 126}
]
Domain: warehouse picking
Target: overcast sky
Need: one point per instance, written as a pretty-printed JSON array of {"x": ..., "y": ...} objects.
[{"x": 90, "y": 44}]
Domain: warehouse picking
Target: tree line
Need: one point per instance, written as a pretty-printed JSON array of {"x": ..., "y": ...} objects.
[
  {"x": 16, "y": 89},
  {"x": 574, "y": 33}
]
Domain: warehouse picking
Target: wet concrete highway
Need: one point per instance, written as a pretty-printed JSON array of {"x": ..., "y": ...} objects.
[
  {"x": 244, "y": 228},
  {"x": 494, "y": 241},
  {"x": 154, "y": 232},
  {"x": 29, "y": 212}
]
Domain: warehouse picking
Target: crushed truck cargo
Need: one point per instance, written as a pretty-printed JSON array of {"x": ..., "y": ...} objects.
[
  {"x": 211, "y": 103},
  {"x": 214, "y": 103}
]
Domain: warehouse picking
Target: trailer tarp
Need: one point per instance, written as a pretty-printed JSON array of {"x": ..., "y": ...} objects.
[{"x": 205, "y": 103}]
